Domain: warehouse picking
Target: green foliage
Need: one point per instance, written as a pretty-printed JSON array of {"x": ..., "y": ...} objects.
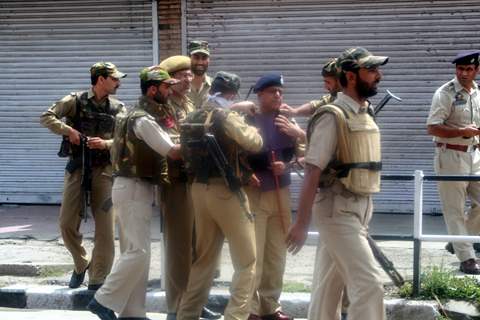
[
  {"x": 406, "y": 290},
  {"x": 439, "y": 284},
  {"x": 294, "y": 286}
]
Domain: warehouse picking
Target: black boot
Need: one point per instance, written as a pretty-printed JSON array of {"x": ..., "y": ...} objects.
[{"x": 209, "y": 314}]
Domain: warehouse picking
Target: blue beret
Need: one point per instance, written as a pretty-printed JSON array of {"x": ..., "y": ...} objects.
[
  {"x": 466, "y": 57},
  {"x": 268, "y": 80}
]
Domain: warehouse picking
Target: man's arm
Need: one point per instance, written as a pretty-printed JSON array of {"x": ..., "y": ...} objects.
[
  {"x": 305, "y": 110},
  {"x": 51, "y": 118},
  {"x": 156, "y": 138},
  {"x": 444, "y": 131},
  {"x": 246, "y": 136},
  {"x": 299, "y": 231}
]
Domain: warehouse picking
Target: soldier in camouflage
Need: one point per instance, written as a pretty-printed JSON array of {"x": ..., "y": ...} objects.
[
  {"x": 330, "y": 83},
  {"x": 200, "y": 55},
  {"x": 175, "y": 196},
  {"x": 219, "y": 213},
  {"x": 140, "y": 148},
  {"x": 91, "y": 114}
]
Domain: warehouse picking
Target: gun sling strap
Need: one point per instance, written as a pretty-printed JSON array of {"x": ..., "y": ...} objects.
[{"x": 344, "y": 168}]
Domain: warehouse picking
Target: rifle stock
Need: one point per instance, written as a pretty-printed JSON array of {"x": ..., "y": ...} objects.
[{"x": 226, "y": 171}]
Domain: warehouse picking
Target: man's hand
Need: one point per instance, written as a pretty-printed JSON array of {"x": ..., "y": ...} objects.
[
  {"x": 74, "y": 136},
  {"x": 278, "y": 168},
  {"x": 247, "y": 107},
  {"x": 296, "y": 237},
  {"x": 174, "y": 153},
  {"x": 96, "y": 143},
  {"x": 470, "y": 132},
  {"x": 289, "y": 128},
  {"x": 254, "y": 181},
  {"x": 287, "y": 110}
]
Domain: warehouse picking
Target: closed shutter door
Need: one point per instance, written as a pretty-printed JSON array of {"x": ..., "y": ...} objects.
[
  {"x": 46, "y": 50},
  {"x": 297, "y": 37}
]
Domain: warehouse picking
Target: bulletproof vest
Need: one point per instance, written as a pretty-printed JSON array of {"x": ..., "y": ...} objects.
[
  {"x": 132, "y": 157},
  {"x": 92, "y": 122},
  {"x": 357, "y": 162},
  {"x": 275, "y": 144},
  {"x": 198, "y": 163}
]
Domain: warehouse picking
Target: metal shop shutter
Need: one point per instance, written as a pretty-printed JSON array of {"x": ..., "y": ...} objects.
[
  {"x": 297, "y": 37},
  {"x": 46, "y": 50}
]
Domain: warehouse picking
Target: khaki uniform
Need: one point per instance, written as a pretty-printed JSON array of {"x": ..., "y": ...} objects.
[
  {"x": 326, "y": 99},
  {"x": 219, "y": 215},
  {"x": 70, "y": 210},
  {"x": 271, "y": 226},
  {"x": 453, "y": 106},
  {"x": 178, "y": 216},
  {"x": 344, "y": 256},
  {"x": 271, "y": 247},
  {"x": 124, "y": 290},
  {"x": 199, "y": 97}
]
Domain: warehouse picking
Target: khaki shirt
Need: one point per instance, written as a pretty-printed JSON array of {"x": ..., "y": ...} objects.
[
  {"x": 326, "y": 99},
  {"x": 247, "y": 137},
  {"x": 453, "y": 106},
  {"x": 199, "y": 97},
  {"x": 181, "y": 107},
  {"x": 67, "y": 107},
  {"x": 322, "y": 146}
]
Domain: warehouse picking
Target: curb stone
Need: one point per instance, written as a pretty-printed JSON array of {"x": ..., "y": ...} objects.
[
  {"x": 33, "y": 269},
  {"x": 295, "y": 304}
]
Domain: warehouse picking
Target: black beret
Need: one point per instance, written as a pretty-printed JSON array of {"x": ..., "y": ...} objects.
[
  {"x": 466, "y": 57},
  {"x": 268, "y": 80}
]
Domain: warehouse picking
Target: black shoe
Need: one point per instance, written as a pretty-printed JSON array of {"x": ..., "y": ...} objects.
[
  {"x": 476, "y": 247},
  {"x": 94, "y": 287},
  {"x": 102, "y": 312},
  {"x": 344, "y": 316},
  {"x": 449, "y": 248},
  {"x": 77, "y": 279},
  {"x": 209, "y": 314}
]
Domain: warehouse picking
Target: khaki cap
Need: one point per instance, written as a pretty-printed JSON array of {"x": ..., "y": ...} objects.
[
  {"x": 175, "y": 63},
  {"x": 106, "y": 69}
]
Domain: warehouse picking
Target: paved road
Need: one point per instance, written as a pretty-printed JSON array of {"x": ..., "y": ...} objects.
[{"x": 24, "y": 314}]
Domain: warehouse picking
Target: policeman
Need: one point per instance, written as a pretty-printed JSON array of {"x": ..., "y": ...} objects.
[
  {"x": 138, "y": 155},
  {"x": 199, "y": 53},
  {"x": 330, "y": 83},
  {"x": 175, "y": 195},
  {"x": 453, "y": 122},
  {"x": 269, "y": 197},
  {"x": 344, "y": 164},
  {"x": 219, "y": 212},
  {"x": 90, "y": 114}
]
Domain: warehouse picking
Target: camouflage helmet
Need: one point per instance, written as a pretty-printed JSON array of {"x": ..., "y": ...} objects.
[
  {"x": 225, "y": 82},
  {"x": 330, "y": 68},
  {"x": 358, "y": 57},
  {"x": 198, "y": 46},
  {"x": 155, "y": 73},
  {"x": 106, "y": 69}
]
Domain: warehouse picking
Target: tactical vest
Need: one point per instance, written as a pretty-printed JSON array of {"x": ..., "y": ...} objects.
[
  {"x": 198, "y": 163},
  {"x": 132, "y": 157},
  {"x": 92, "y": 123},
  {"x": 357, "y": 162}
]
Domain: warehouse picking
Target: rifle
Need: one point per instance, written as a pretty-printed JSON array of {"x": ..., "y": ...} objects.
[
  {"x": 385, "y": 263},
  {"x": 277, "y": 194},
  {"x": 226, "y": 171},
  {"x": 384, "y": 101},
  {"x": 86, "y": 181}
]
